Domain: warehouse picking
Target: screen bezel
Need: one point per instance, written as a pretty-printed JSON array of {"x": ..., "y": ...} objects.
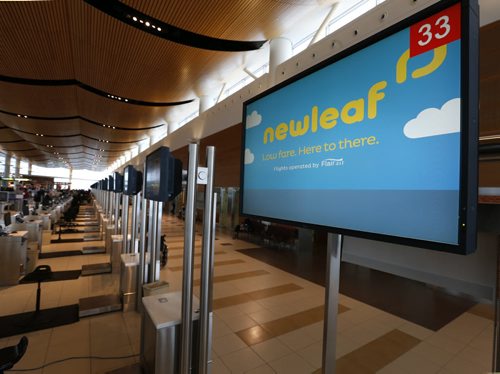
[
  {"x": 134, "y": 183},
  {"x": 118, "y": 182},
  {"x": 467, "y": 235},
  {"x": 163, "y": 154}
]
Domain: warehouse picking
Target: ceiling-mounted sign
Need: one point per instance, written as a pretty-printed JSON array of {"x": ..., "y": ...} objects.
[{"x": 379, "y": 141}]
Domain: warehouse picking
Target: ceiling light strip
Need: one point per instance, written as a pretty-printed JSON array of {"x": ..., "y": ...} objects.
[
  {"x": 86, "y": 87},
  {"x": 72, "y": 136},
  {"x": 153, "y": 26},
  {"x": 92, "y": 122}
]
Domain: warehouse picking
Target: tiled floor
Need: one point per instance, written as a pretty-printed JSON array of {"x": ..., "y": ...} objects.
[{"x": 266, "y": 320}]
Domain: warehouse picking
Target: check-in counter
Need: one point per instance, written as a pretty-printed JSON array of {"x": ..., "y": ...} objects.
[
  {"x": 116, "y": 251},
  {"x": 161, "y": 333},
  {"x": 13, "y": 257},
  {"x": 44, "y": 217},
  {"x": 34, "y": 229},
  {"x": 128, "y": 279}
]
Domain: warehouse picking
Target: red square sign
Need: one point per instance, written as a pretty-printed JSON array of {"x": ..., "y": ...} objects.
[{"x": 440, "y": 29}]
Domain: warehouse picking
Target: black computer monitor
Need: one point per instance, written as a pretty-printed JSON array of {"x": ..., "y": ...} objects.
[
  {"x": 132, "y": 180},
  {"x": 163, "y": 175},
  {"x": 26, "y": 209},
  {"x": 118, "y": 179},
  {"x": 6, "y": 219},
  {"x": 156, "y": 174}
]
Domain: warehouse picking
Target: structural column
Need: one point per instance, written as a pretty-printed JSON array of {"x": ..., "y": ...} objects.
[
  {"x": 6, "y": 171},
  {"x": 280, "y": 50},
  {"x": 16, "y": 173},
  {"x": 207, "y": 101}
]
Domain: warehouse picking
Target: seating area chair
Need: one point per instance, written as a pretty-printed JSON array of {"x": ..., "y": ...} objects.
[{"x": 9, "y": 356}]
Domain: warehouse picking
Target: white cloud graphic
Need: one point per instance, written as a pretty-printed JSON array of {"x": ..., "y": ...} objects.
[
  {"x": 249, "y": 157},
  {"x": 433, "y": 121},
  {"x": 254, "y": 119}
]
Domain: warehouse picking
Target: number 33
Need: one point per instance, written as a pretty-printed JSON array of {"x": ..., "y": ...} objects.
[{"x": 425, "y": 30}]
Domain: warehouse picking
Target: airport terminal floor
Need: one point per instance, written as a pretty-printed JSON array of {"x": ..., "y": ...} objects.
[{"x": 268, "y": 317}]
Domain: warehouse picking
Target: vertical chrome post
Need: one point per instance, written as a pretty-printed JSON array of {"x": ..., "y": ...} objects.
[
  {"x": 117, "y": 212},
  {"x": 206, "y": 269},
  {"x": 331, "y": 302},
  {"x": 187, "y": 276},
  {"x": 496, "y": 325},
  {"x": 108, "y": 206},
  {"x": 133, "y": 227},
  {"x": 105, "y": 203},
  {"x": 152, "y": 240},
  {"x": 159, "y": 214},
  {"x": 125, "y": 223},
  {"x": 142, "y": 251},
  {"x": 112, "y": 196}
]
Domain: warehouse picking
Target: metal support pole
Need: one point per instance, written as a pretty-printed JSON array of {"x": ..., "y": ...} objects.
[
  {"x": 331, "y": 302},
  {"x": 152, "y": 240},
  {"x": 112, "y": 196},
  {"x": 108, "y": 205},
  {"x": 133, "y": 227},
  {"x": 496, "y": 325},
  {"x": 159, "y": 214},
  {"x": 125, "y": 223},
  {"x": 187, "y": 275},
  {"x": 142, "y": 252},
  {"x": 117, "y": 213},
  {"x": 105, "y": 204},
  {"x": 207, "y": 254}
]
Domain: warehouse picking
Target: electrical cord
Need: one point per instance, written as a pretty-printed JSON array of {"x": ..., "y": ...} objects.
[{"x": 74, "y": 358}]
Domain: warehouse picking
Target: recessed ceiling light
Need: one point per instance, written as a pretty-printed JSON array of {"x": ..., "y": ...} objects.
[
  {"x": 135, "y": 19},
  {"x": 147, "y": 24},
  {"x": 159, "y": 28}
]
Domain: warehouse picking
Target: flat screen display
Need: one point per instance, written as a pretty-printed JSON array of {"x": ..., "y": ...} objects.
[
  {"x": 118, "y": 182},
  {"x": 132, "y": 180},
  {"x": 379, "y": 141},
  {"x": 156, "y": 175},
  {"x": 111, "y": 183},
  {"x": 163, "y": 175},
  {"x": 7, "y": 219}
]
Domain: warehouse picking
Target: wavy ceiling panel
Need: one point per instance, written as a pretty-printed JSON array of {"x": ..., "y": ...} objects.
[{"x": 82, "y": 54}]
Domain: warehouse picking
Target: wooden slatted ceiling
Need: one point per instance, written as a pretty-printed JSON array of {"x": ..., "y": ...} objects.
[
  {"x": 107, "y": 111},
  {"x": 36, "y": 40},
  {"x": 226, "y": 19},
  {"x": 62, "y": 39},
  {"x": 120, "y": 59},
  {"x": 45, "y": 101}
]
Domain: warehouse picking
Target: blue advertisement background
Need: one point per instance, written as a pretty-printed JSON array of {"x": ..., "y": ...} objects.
[{"x": 421, "y": 174}]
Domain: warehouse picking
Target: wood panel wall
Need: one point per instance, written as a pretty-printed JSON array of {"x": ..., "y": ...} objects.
[
  {"x": 489, "y": 79},
  {"x": 489, "y": 97},
  {"x": 227, "y": 145}
]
